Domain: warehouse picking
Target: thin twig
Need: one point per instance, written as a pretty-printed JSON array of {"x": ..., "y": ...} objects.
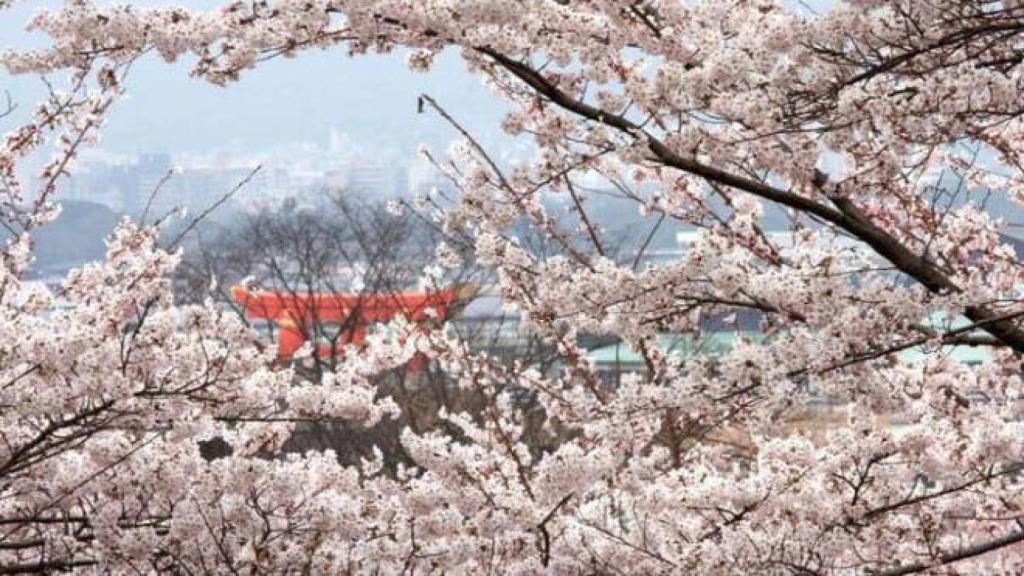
[{"x": 195, "y": 221}]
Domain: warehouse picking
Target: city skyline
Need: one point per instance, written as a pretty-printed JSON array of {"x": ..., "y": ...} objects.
[{"x": 127, "y": 184}]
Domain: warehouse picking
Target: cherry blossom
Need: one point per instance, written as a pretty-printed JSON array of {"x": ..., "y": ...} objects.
[{"x": 814, "y": 445}]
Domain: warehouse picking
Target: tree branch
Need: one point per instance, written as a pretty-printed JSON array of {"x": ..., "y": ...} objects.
[
  {"x": 847, "y": 215},
  {"x": 962, "y": 554}
]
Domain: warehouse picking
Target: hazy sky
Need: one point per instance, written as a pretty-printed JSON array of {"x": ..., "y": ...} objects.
[{"x": 372, "y": 98}]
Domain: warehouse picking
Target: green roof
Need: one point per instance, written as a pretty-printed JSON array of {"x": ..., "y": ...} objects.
[
  {"x": 964, "y": 354},
  {"x": 715, "y": 343}
]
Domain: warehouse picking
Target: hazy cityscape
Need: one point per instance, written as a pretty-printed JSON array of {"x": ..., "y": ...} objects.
[{"x": 299, "y": 173}]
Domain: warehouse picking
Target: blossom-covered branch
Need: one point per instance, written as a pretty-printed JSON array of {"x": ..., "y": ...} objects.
[{"x": 814, "y": 444}]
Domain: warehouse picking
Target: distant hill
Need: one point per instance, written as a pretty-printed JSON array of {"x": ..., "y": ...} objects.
[{"x": 74, "y": 238}]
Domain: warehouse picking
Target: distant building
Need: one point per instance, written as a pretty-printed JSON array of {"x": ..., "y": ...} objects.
[{"x": 376, "y": 177}]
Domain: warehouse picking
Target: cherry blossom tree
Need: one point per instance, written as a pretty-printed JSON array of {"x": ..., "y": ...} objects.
[{"x": 880, "y": 129}]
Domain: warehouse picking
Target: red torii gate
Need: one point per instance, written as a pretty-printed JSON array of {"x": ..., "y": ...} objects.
[{"x": 296, "y": 314}]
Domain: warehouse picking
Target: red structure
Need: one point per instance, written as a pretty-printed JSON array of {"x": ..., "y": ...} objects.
[{"x": 303, "y": 316}]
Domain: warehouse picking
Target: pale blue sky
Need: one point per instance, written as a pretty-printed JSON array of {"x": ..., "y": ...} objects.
[{"x": 372, "y": 98}]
